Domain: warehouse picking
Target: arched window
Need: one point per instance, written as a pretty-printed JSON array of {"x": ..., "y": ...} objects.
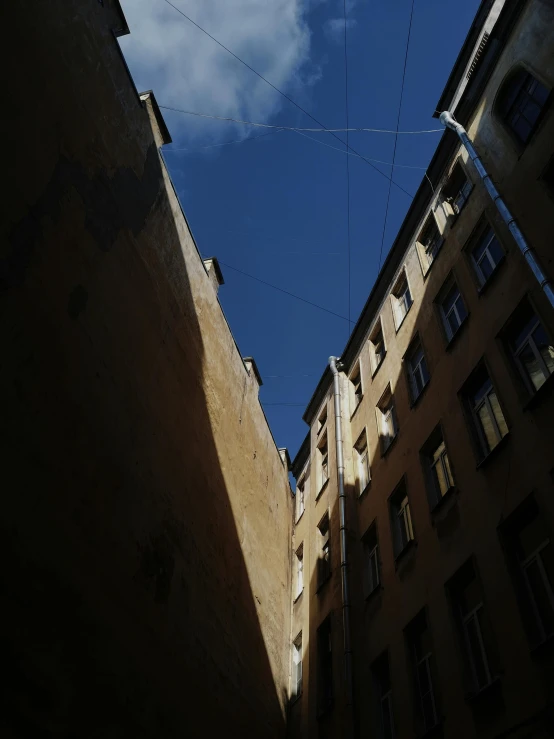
[{"x": 521, "y": 101}]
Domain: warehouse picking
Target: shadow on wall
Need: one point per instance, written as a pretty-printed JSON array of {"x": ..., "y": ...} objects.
[{"x": 126, "y": 602}]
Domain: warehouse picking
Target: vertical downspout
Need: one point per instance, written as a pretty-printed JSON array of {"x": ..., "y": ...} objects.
[
  {"x": 333, "y": 361},
  {"x": 528, "y": 252}
]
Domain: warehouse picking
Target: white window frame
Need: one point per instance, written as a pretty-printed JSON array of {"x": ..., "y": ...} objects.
[
  {"x": 299, "y": 554},
  {"x": 525, "y": 564},
  {"x": 486, "y": 253},
  {"x": 473, "y": 615},
  {"x": 485, "y": 401},
  {"x": 446, "y": 470},
  {"x": 297, "y": 668},
  {"x": 529, "y": 340},
  {"x": 431, "y": 249},
  {"x": 323, "y": 460},
  {"x": 387, "y": 420},
  {"x": 418, "y": 368},
  {"x": 402, "y": 299},
  {"x": 322, "y": 419},
  {"x": 324, "y": 548},
  {"x": 357, "y": 389},
  {"x": 458, "y": 201},
  {"x": 363, "y": 468},
  {"x": 403, "y": 524},
  {"x": 372, "y": 556},
  {"x": 300, "y": 497},
  {"x": 450, "y": 333},
  {"x": 373, "y": 340},
  {"x": 426, "y": 660}
]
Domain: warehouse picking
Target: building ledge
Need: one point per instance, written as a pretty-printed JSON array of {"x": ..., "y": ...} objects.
[{"x": 501, "y": 444}]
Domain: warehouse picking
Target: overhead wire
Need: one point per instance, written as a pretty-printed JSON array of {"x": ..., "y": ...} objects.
[
  {"x": 347, "y": 159},
  {"x": 396, "y": 135},
  {"x": 310, "y": 130},
  {"x": 286, "y": 292},
  {"x": 287, "y": 97}
]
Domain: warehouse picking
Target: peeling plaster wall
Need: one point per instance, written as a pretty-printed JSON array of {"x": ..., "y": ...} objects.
[{"x": 146, "y": 519}]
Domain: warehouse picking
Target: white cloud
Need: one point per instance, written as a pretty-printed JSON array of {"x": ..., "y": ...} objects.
[
  {"x": 334, "y": 28},
  {"x": 188, "y": 70}
]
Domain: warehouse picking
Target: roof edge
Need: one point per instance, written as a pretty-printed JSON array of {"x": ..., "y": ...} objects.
[{"x": 164, "y": 131}]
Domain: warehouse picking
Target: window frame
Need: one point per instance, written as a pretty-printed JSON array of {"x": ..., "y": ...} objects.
[
  {"x": 356, "y": 387},
  {"x": 322, "y": 419},
  {"x": 301, "y": 496},
  {"x": 464, "y": 191},
  {"x": 324, "y": 547},
  {"x": 433, "y": 443},
  {"x": 414, "y": 633},
  {"x": 376, "y": 332},
  {"x": 297, "y": 667},
  {"x": 428, "y": 252},
  {"x": 299, "y": 556},
  {"x": 323, "y": 461},
  {"x": 396, "y": 301},
  {"x": 325, "y": 686},
  {"x": 361, "y": 448},
  {"x": 386, "y": 410},
  {"x": 448, "y": 286},
  {"x": 476, "y": 240},
  {"x": 384, "y": 693},
  {"x": 370, "y": 544},
  {"x": 420, "y": 366},
  {"x": 502, "y": 115},
  {"x": 400, "y": 515},
  {"x": 472, "y": 411}
]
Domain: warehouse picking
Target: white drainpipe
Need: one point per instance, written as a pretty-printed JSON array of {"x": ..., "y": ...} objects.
[
  {"x": 333, "y": 361},
  {"x": 528, "y": 253}
]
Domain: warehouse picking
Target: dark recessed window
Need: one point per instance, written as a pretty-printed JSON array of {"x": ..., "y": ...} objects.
[
  {"x": 547, "y": 175},
  {"x": 486, "y": 254},
  {"x": 487, "y": 418},
  {"x": 418, "y": 374},
  {"x": 436, "y": 464},
  {"x": 324, "y": 667},
  {"x": 401, "y": 519},
  {"x": 381, "y": 677},
  {"x": 420, "y": 648},
  {"x": 530, "y": 346},
  {"x": 457, "y": 190},
  {"x": 521, "y": 101},
  {"x": 452, "y": 308}
]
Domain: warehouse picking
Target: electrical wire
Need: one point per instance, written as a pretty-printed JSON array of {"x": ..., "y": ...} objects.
[
  {"x": 226, "y": 143},
  {"x": 296, "y": 405},
  {"x": 297, "y": 128},
  {"x": 280, "y": 289},
  {"x": 347, "y": 160},
  {"x": 396, "y": 135},
  {"x": 281, "y": 92}
]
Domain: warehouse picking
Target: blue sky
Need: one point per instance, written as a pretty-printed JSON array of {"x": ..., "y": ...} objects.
[{"x": 275, "y": 206}]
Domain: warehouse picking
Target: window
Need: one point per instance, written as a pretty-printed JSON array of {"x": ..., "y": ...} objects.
[
  {"x": 401, "y": 519},
  {"x": 429, "y": 242},
  {"x": 521, "y": 101},
  {"x": 457, "y": 190},
  {"x": 371, "y": 557},
  {"x": 417, "y": 369},
  {"x": 361, "y": 455},
  {"x": 486, "y": 254},
  {"x": 324, "y": 549},
  {"x": 377, "y": 347},
  {"x": 299, "y": 570},
  {"x": 452, "y": 309},
  {"x": 418, "y": 638},
  {"x": 531, "y": 557},
  {"x": 297, "y": 665},
  {"x": 437, "y": 468},
  {"x": 530, "y": 347},
  {"x": 401, "y": 300},
  {"x": 488, "y": 422},
  {"x": 386, "y": 420},
  {"x": 356, "y": 387},
  {"x": 323, "y": 453},
  {"x": 300, "y": 496},
  {"x": 322, "y": 419},
  {"x": 325, "y": 667},
  {"x": 381, "y": 677},
  {"x": 476, "y": 638}
]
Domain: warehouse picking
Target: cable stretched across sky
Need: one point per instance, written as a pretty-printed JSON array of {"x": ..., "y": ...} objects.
[
  {"x": 287, "y": 97},
  {"x": 286, "y": 292},
  {"x": 297, "y": 128}
]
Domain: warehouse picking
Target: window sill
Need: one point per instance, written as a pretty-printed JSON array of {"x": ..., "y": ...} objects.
[
  {"x": 322, "y": 428},
  {"x": 404, "y": 317},
  {"x": 501, "y": 444},
  {"x": 484, "y": 693},
  {"x": 384, "y": 452},
  {"x": 454, "y": 338},
  {"x": 415, "y": 402},
  {"x": 321, "y": 489},
  {"x": 540, "y": 394},
  {"x": 298, "y": 597},
  {"x": 299, "y": 518},
  {"x": 483, "y": 289},
  {"x": 323, "y": 583},
  {"x": 376, "y": 370},
  {"x": 410, "y": 547},
  {"x": 356, "y": 408}
]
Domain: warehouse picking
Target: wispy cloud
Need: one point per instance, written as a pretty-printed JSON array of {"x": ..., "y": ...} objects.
[
  {"x": 334, "y": 28},
  {"x": 186, "y": 69}
]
